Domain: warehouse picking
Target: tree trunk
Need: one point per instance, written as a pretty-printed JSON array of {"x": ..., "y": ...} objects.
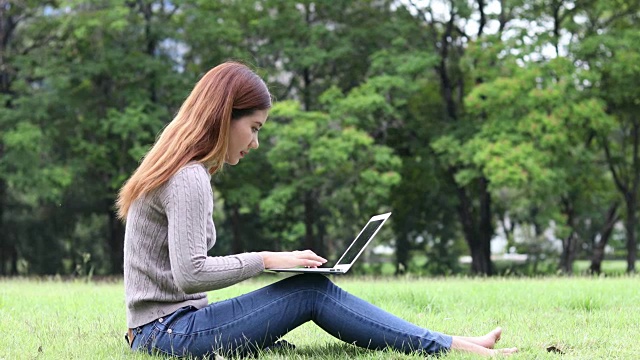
[
  {"x": 446, "y": 84},
  {"x": 629, "y": 189},
  {"x": 116, "y": 243},
  {"x": 481, "y": 260},
  {"x": 485, "y": 266},
  {"x": 569, "y": 247},
  {"x": 152, "y": 44},
  {"x": 402, "y": 253},
  {"x": 13, "y": 269},
  {"x": 7, "y": 26},
  {"x": 605, "y": 235},
  {"x": 570, "y": 243},
  {"x": 477, "y": 233},
  {"x": 321, "y": 235},
  {"x": 309, "y": 219},
  {"x": 630, "y": 224},
  {"x": 237, "y": 246},
  {"x": 4, "y": 244},
  {"x": 631, "y": 198}
]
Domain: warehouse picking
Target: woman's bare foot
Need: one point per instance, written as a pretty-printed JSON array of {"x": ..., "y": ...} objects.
[
  {"x": 505, "y": 351},
  {"x": 460, "y": 344},
  {"x": 487, "y": 341}
]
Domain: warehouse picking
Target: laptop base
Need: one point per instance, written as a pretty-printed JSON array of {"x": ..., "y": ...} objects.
[{"x": 311, "y": 270}]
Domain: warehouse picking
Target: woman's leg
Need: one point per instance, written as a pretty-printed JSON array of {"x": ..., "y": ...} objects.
[{"x": 258, "y": 319}]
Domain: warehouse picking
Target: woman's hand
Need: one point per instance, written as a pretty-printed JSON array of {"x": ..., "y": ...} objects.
[{"x": 286, "y": 260}]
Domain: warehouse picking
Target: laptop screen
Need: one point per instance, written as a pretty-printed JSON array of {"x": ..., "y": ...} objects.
[{"x": 360, "y": 242}]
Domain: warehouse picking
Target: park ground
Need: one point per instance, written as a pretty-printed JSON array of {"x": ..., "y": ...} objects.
[{"x": 546, "y": 317}]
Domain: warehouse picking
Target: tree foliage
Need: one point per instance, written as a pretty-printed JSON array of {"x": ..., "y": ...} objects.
[{"x": 469, "y": 120}]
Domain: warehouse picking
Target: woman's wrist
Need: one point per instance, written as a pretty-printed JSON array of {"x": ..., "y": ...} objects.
[{"x": 266, "y": 263}]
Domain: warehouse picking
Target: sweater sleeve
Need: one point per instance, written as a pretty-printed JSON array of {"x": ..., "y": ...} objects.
[{"x": 188, "y": 202}]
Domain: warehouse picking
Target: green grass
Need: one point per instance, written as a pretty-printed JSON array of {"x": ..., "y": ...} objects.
[
  {"x": 587, "y": 318},
  {"x": 549, "y": 267}
]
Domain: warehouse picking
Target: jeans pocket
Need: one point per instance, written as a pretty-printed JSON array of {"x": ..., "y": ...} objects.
[
  {"x": 171, "y": 333},
  {"x": 166, "y": 342},
  {"x": 144, "y": 340},
  {"x": 180, "y": 322}
]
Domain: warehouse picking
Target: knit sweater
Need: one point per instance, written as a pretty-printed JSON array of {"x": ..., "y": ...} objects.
[{"x": 168, "y": 233}]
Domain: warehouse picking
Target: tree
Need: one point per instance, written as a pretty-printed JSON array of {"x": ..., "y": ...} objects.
[
  {"x": 302, "y": 48},
  {"x": 30, "y": 178},
  {"x": 536, "y": 140},
  {"x": 100, "y": 87},
  {"x": 446, "y": 36},
  {"x": 612, "y": 74},
  {"x": 329, "y": 172}
]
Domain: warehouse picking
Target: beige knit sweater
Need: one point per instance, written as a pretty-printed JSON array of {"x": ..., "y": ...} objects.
[{"x": 168, "y": 234}]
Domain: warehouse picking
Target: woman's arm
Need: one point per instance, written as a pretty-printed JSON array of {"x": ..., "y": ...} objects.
[{"x": 188, "y": 202}]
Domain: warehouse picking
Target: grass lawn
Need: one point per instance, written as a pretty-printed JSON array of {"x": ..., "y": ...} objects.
[{"x": 586, "y": 318}]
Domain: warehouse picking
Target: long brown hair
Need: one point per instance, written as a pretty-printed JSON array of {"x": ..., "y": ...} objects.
[{"x": 200, "y": 130}]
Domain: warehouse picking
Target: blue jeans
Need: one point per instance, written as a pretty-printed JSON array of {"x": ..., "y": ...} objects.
[{"x": 253, "y": 321}]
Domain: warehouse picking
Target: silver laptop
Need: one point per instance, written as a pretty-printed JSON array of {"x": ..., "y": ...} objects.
[{"x": 353, "y": 251}]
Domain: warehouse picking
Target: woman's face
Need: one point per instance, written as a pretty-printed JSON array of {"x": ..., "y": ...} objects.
[{"x": 243, "y": 135}]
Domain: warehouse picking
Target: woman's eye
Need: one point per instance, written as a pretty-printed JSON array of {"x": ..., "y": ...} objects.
[{"x": 254, "y": 129}]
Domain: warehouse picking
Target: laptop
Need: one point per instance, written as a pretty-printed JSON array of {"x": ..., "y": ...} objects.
[{"x": 353, "y": 251}]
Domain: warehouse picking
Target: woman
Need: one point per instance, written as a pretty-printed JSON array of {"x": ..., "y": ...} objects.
[{"x": 168, "y": 205}]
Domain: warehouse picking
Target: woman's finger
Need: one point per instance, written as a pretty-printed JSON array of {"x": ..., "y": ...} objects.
[
  {"x": 308, "y": 254},
  {"x": 311, "y": 263},
  {"x": 315, "y": 257}
]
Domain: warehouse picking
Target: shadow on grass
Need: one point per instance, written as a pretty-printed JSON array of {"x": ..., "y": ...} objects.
[
  {"x": 325, "y": 352},
  {"x": 336, "y": 351}
]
